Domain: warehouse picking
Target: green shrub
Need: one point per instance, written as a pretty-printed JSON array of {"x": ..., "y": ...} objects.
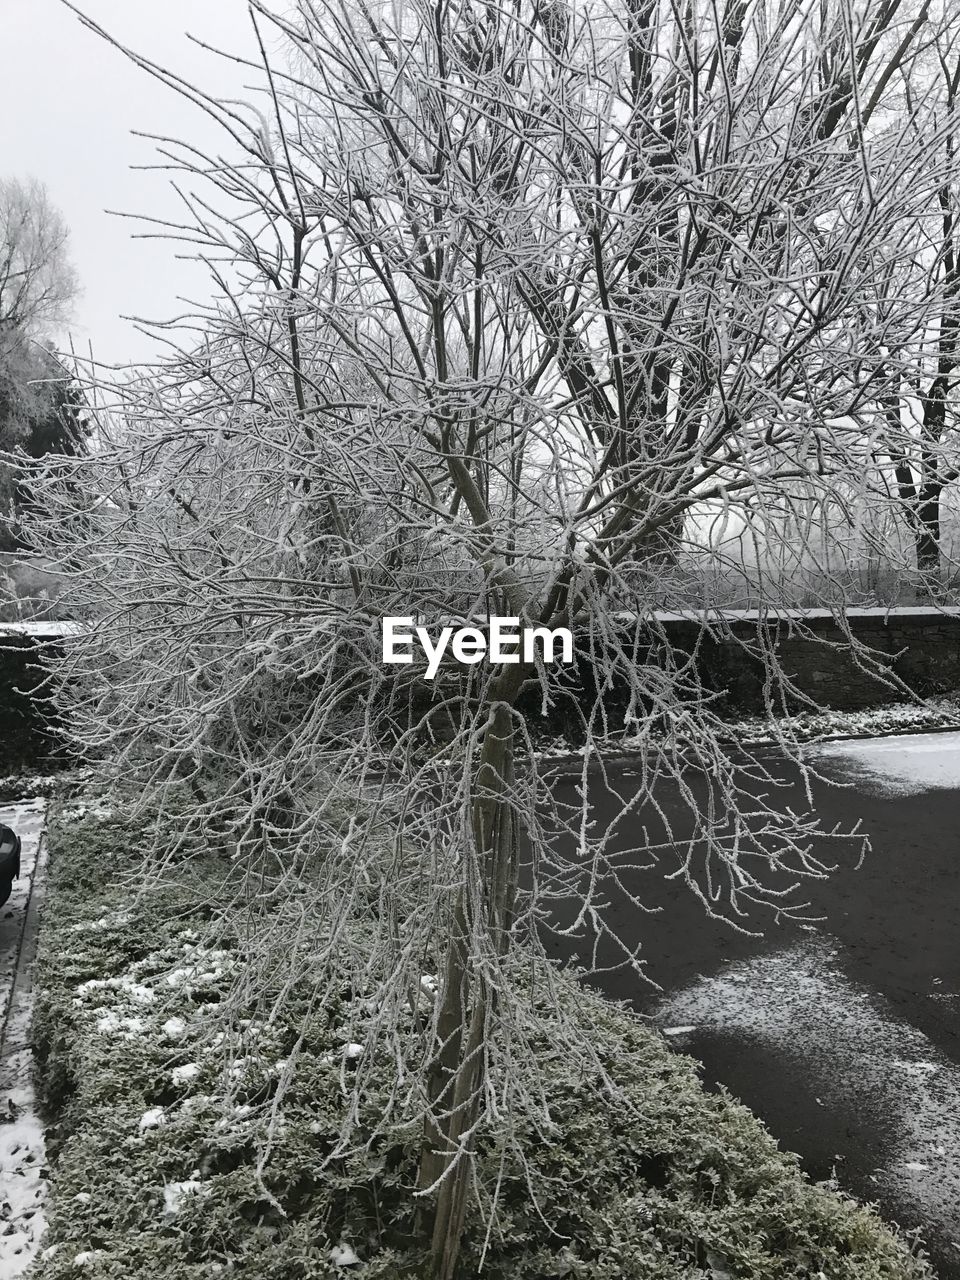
[{"x": 158, "y": 1127}]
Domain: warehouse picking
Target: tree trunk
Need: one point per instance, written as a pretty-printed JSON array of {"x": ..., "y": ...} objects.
[
  {"x": 484, "y": 909},
  {"x": 928, "y": 529}
]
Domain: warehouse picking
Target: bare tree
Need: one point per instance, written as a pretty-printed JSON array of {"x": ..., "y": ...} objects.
[
  {"x": 37, "y": 282},
  {"x": 508, "y": 298},
  {"x": 39, "y": 411},
  {"x": 922, "y": 393}
]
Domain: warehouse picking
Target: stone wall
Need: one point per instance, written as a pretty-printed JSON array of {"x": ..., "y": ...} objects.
[{"x": 920, "y": 646}]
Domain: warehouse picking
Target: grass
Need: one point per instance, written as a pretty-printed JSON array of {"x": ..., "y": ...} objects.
[{"x": 175, "y": 1157}]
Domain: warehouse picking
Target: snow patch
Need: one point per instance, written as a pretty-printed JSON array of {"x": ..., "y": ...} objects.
[
  {"x": 22, "y": 1155},
  {"x": 899, "y": 766},
  {"x": 152, "y": 1119},
  {"x": 111, "y": 1023},
  {"x": 347, "y": 1051},
  {"x": 113, "y": 920},
  {"x": 44, "y": 629},
  {"x": 176, "y": 1193},
  {"x": 796, "y": 1001},
  {"x": 342, "y": 1255},
  {"x": 98, "y": 812},
  {"x": 124, "y": 985}
]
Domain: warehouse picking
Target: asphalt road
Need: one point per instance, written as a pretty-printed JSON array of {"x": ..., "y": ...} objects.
[{"x": 843, "y": 1035}]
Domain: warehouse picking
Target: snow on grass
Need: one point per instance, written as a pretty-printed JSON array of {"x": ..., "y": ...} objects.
[
  {"x": 812, "y": 726},
  {"x": 112, "y": 920},
  {"x": 342, "y": 1255},
  {"x": 176, "y": 1193},
  {"x": 110, "y": 1022},
  {"x": 347, "y": 1053},
  {"x": 204, "y": 967},
  {"x": 33, "y": 786},
  {"x": 798, "y": 614},
  {"x": 100, "y": 812},
  {"x": 891, "y": 718},
  {"x": 807, "y": 726},
  {"x": 152, "y": 1119},
  {"x": 123, "y": 984}
]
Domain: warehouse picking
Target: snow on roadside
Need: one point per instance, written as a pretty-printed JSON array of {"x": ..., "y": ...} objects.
[
  {"x": 22, "y": 1156},
  {"x": 41, "y": 629},
  {"x": 22, "y": 1183},
  {"x": 893, "y": 718},
  {"x": 858, "y": 1055},
  {"x": 905, "y": 765}
]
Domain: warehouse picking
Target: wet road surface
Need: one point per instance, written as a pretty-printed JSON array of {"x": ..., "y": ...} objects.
[{"x": 842, "y": 1035}]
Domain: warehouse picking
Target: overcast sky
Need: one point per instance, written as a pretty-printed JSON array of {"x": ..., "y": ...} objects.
[{"x": 68, "y": 103}]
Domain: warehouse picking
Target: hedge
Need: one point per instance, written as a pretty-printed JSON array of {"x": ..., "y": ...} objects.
[{"x": 155, "y": 1137}]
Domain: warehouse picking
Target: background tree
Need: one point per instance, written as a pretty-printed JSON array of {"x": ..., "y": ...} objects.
[
  {"x": 923, "y": 397},
  {"x": 509, "y": 298},
  {"x": 40, "y": 408},
  {"x": 37, "y": 282}
]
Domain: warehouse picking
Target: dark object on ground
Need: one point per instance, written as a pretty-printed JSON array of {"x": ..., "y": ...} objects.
[{"x": 9, "y": 861}]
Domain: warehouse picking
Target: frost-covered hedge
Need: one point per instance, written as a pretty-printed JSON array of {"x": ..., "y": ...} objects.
[{"x": 160, "y": 1107}]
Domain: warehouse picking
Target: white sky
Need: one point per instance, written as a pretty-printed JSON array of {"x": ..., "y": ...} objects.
[{"x": 68, "y": 103}]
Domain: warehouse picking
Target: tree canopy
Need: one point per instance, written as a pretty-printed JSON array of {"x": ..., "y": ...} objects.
[
  {"x": 508, "y": 299},
  {"x": 41, "y": 409}
]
